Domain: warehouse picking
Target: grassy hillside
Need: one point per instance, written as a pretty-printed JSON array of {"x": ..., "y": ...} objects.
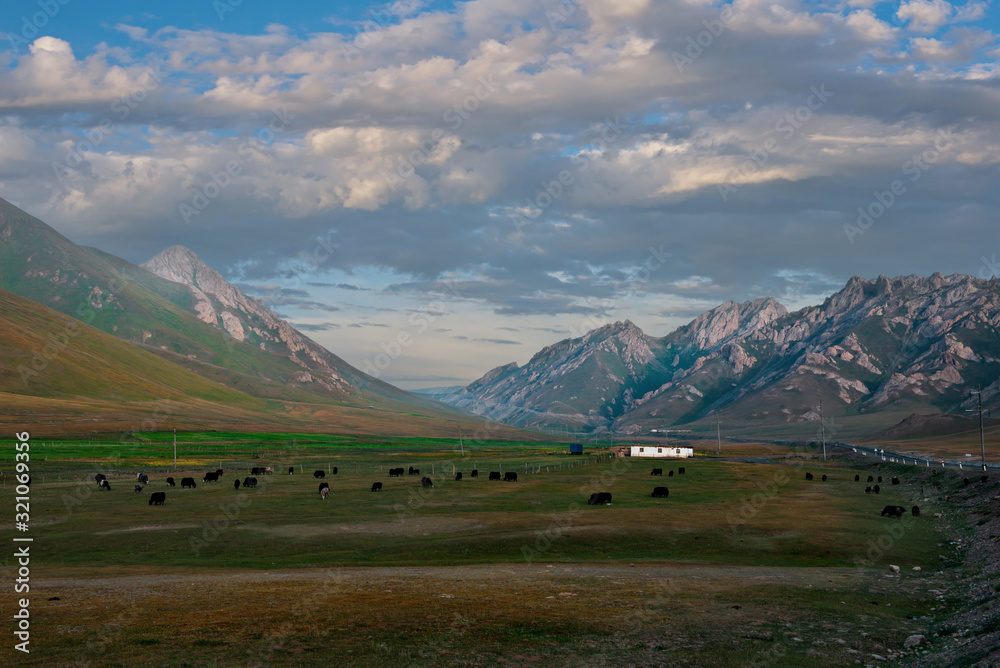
[{"x": 48, "y": 354}]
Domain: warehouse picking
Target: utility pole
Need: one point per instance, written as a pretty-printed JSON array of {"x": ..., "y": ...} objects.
[
  {"x": 175, "y": 448},
  {"x": 822, "y": 428},
  {"x": 982, "y": 435},
  {"x": 460, "y": 444},
  {"x": 718, "y": 435}
]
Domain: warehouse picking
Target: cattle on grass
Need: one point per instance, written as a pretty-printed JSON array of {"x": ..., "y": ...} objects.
[
  {"x": 876, "y": 489},
  {"x": 413, "y": 471},
  {"x": 426, "y": 482},
  {"x": 104, "y": 484},
  {"x": 138, "y": 488},
  {"x": 211, "y": 476},
  {"x": 236, "y": 483},
  {"x": 157, "y": 498},
  {"x": 868, "y": 490},
  {"x": 268, "y": 470},
  {"x": 915, "y": 511},
  {"x": 188, "y": 482},
  {"x": 218, "y": 472},
  {"x": 495, "y": 475},
  {"x": 809, "y": 476},
  {"x": 291, "y": 470},
  {"x": 250, "y": 482},
  {"x": 660, "y": 492},
  {"x": 458, "y": 476},
  {"x": 170, "y": 482},
  {"x": 142, "y": 479},
  {"x": 895, "y": 480},
  {"x": 395, "y": 473},
  {"x": 323, "y": 493},
  {"x": 257, "y": 470},
  {"x": 475, "y": 473},
  {"x": 319, "y": 473},
  {"x": 323, "y": 485},
  {"x": 965, "y": 481},
  {"x": 871, "y": 478},
  {"x": 857, "y": 478},
  {"x": 334, "y": 470},
  {"x": 824, "y": 477},
  {"x": 376, "y": 486},
  {"x": 879, "y": 479},
  {"x": 893, "y": 511},
  {"x": 599, "y": 499},
  {"x": 656, "y": 472},
  {"x": 99, "y": 477},
  {"x": 681, "y": 471},
  {"x": 670, "y": 473},
  {"x": 510, "y": 476}
]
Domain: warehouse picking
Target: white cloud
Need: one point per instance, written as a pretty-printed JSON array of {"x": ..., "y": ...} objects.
[{"x": 924, "y": 15}]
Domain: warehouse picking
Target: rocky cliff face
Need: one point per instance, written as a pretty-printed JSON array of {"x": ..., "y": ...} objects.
[
  {"x": 900, "y": 342},
  {"x": 221, "y": 304}
]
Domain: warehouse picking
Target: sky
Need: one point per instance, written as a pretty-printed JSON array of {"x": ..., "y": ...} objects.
[{"x": 433, "y": 189}]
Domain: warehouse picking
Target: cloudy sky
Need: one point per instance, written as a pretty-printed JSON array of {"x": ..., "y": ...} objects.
[{"x": 438, "y": 188}]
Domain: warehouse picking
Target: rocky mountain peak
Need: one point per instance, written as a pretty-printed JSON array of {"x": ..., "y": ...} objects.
[
  {"x": 732, "y": 319},
  {"x": 181, "y": 265}
]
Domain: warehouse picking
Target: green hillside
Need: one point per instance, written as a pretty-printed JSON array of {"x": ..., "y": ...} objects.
[{"x": 47, "y": 354}]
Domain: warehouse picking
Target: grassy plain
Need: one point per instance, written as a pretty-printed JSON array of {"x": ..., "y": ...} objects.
[{"x": 743, "y": 562}]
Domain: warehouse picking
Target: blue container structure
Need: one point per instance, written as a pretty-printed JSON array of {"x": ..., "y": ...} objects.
[{"x": 576, "y": 448}]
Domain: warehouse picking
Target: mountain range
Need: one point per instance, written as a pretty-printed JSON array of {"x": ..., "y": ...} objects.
[
  {"x": 888, "y": 346},
  {"x": 873, "y": 353},
  {"x": 175, "y": 308}
]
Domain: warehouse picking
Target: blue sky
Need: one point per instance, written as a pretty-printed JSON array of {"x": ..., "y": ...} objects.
[{"x": 483, "y": 178}]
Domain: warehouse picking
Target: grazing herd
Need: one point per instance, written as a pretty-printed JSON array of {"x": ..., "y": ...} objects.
[
  {"x": 597, "y": 498},
  {"x": 159, "y": 498}
]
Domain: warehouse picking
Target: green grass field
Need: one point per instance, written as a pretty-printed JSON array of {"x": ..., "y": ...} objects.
[{"x": 470, "y": 568}]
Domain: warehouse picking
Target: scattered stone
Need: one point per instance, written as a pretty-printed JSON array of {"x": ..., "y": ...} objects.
[
  {"x": 894, "y": 568},
  {"x": 917, "y": 568},
  {"x": 878, "y": 657},
  {"x": 915, "y": 641}
]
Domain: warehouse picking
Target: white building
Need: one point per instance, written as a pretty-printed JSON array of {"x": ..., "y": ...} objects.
[{"x": 661, "y": 451}]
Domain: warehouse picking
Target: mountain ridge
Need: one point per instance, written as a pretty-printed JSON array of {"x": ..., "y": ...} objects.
[{"x": 898, "y": 344}]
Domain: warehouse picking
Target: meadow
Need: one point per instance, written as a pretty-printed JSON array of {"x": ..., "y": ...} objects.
[{"x": 742, "y": 563}]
